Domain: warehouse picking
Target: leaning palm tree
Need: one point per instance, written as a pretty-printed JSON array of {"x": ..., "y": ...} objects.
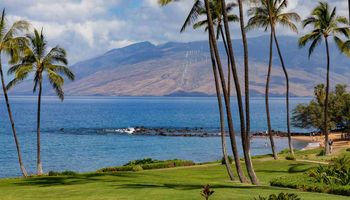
[
  {"x": 197, "y": 10},
  {"x": 12, "y": 45},
  {"x": 325, "y": 23},
  {"x": 244, "y": 133},
  {"x": 213, "y": 44},
  {"x": 40, "y": 62},
  {"x": 268, "y": 14}
]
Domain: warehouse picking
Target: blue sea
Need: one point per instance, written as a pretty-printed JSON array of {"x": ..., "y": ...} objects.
[{"x": 74, "y": 135}]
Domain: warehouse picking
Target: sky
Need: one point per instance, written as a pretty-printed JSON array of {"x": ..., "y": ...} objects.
[{"x": 88, "y": 28}]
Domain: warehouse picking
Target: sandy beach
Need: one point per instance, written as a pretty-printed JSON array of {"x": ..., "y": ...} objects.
[{"x": 339, "y": 142}]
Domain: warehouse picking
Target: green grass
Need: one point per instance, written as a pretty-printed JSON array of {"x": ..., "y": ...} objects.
[{"x": 176, "y": 183}]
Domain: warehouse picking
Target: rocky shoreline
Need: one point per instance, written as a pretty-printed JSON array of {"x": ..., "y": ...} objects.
[{"x": 190, "y": 132}]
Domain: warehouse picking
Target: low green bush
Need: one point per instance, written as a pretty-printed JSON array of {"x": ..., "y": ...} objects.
[
  {"x": 141, "y": 162},
  {"x": 305, "y": 183},
  {"x": 230, "y": 160},
  {"x": 337, "y": 172},
  {"x": 64, "y": 173},
  {"x": 284, "y": 151},
  {"x": 149, "y": 165},
  {"x": 280, "y": 196},
  {"x": 321, "y": 153},
  {"x": 348, "y": 149},
  {"x": 290, "y": 157}
]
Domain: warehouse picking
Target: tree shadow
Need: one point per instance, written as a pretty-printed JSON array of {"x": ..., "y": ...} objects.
[
  {"x": 47, "y": 181},
  {"x": 184, "y": 186}
]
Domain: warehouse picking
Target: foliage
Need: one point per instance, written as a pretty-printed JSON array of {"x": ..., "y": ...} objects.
[
  {"x": 337, "y": 172},
  {"x": 147, "y": 164},
  {"x": 64, "y": 173},
  {"x": 280, "y": 196},
  {"x": 306, "y": 183},
  {"x": 141, "y": 162},
  {"x": 311, "y": 115},
  {"x": 207, "y": 192},
  {"x": 290, "y": 157},
  {"x": 348, "y": 149},
  {"x": 38, "y": 60},
  {"x": 230, "y": 160},
  {"x": 274, "y": 10},
  {"x": 325, "y": 22}
]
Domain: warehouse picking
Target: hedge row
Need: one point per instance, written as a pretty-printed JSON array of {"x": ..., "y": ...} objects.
[
  {"x": 305, "y": 183},
  {"x": 157, "y": 165}
]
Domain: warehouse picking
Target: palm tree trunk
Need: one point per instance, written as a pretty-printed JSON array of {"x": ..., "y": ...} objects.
[
  {"x": 244, "y": 133},
  {"x": 326, "y": 133},
  {"x": 23, "y": 170},
  {"x": 240, "y": 173},
  {"x": 268, "y": 119},
  {"x": 291, "y": 149},
  {"x": 221, "y": 112},
  {"x": 349, "y": 9},
  {"x": 228, "y": 62},
  {"x": 39, "y": 164}
]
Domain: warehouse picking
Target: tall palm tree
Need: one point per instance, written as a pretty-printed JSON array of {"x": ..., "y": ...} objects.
[
  {"x": 244, "y": 134},
  {"x": 197, "y": 10},
  {"x": 12, "y": 45},
  {"x": 39, "y": 61},
  {"x": 268, "y": 14},
  {"x": 325, "y": 23},
  {"x": 223, "y": 85}
]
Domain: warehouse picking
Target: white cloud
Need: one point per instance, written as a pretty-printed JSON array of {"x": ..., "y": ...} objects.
[{"x": 87, "y": 28}]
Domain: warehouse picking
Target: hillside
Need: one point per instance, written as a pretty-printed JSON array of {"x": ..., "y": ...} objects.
[{"x": 183, "y": 69}]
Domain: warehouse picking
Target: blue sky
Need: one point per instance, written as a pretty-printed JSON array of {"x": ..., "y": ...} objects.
[{"x": 88, "y": 28}]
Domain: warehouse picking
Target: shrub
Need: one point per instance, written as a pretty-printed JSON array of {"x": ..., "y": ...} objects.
[
  {"x": 141, "y": 162},
  {"x": 64, "y": 173},
  {"x": 348, "y": 149},
  {"x": 290, "y": 157},
  {"x": 136, "y": 168},
  {"x": 230, "y": 160},
  {"x": 207, "y": 192},
  {"x": 150, "y": 165},
  {"x": 337, "y": 172},
  {"x": 322, "y": 153},
  {"x": 284, "y": 151},
  {"x": 305, "y": 183},
  {"x": 280, "y": 196}
]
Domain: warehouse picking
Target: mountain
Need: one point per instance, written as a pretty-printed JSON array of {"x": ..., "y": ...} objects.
[{"x": 184, "y": 69}]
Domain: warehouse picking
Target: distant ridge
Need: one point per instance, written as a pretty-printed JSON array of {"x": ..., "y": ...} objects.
[{"x": 183, "y": 69}]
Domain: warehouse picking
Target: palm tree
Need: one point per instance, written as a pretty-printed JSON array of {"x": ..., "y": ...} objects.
[
  {"x": 223, "y": 84},
  {"x": 267, "y": 15},
  {"x": 197, "y": 10},
  {"x": 38, "y": 61},
  {"x": 244, "y": 134},
  {"x": 11, "y": 45},
  {"x": 325, "y": 23}
]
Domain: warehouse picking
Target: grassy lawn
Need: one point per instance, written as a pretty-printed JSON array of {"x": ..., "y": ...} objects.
[{"x": 176, "y": 183}]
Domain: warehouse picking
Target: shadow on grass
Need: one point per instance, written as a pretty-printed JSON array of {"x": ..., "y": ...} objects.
[
  {"x": 47, "y": 181},
  {"x": 299, "y": 167},
  {"x": 184, "y": 186}
]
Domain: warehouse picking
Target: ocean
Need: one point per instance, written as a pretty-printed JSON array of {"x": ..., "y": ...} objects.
[{"x": 81, "y": 133}]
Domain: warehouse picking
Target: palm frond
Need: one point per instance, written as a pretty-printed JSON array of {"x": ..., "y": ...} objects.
[{"x": 193, "y": 15}]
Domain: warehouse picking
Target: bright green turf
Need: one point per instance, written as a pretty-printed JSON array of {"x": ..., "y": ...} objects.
[{"x": 178, "y": 183}]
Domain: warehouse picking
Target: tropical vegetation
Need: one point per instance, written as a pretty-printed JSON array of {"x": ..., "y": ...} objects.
[
  {"x": 309, "y": 116},
  {"x": 325, "y": 23}
]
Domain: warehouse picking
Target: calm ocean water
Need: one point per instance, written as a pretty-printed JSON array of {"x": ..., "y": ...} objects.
[{"x": 73, "y": 136}]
